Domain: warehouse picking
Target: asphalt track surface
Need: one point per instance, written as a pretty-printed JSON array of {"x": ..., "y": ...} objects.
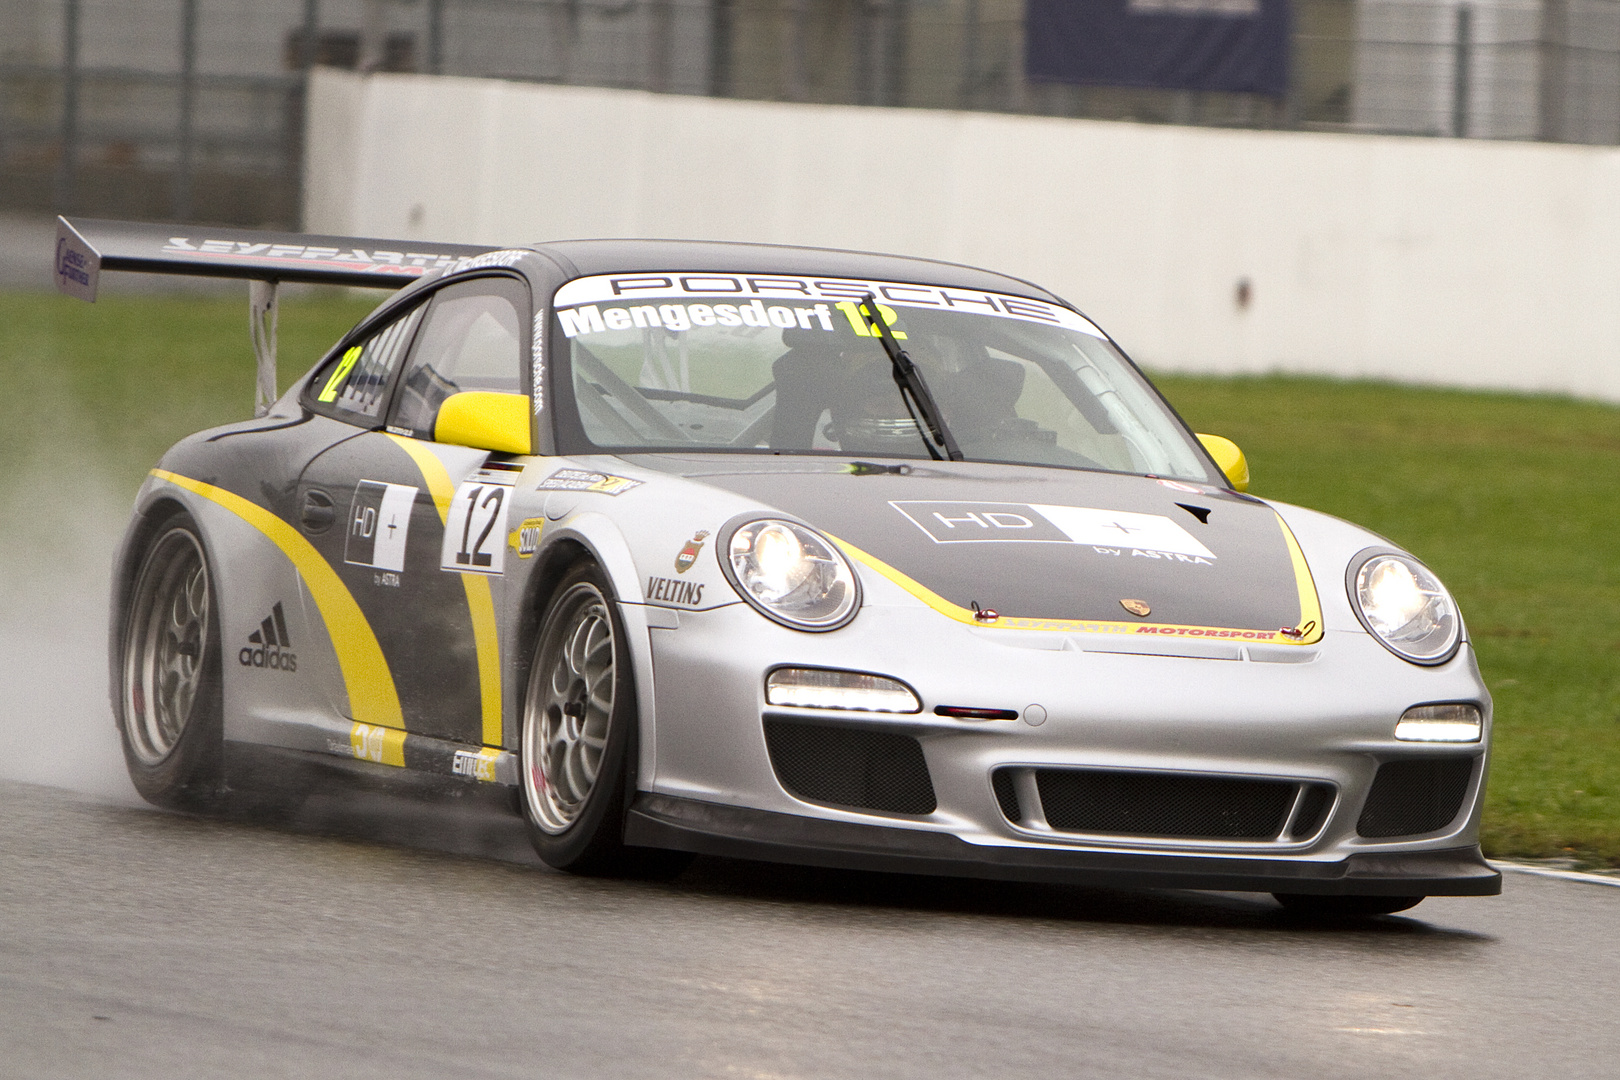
[{"x": 379, "y": 936}]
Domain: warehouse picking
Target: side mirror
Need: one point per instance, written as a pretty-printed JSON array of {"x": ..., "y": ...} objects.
[
  {"x": 484, "y": 420},
  {"x": 1229, "y": 458}
]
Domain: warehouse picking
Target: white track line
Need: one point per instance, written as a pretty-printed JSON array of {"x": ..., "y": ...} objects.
[{"x": 1568, "y": 875}]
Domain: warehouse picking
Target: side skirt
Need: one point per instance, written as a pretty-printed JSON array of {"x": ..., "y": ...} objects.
[
  {"x": 377, "y": 745},
  {"x": 261, "y": 768}
]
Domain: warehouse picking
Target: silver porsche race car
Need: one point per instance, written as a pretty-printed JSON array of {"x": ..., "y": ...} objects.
[{"x": 788, "y": 554}]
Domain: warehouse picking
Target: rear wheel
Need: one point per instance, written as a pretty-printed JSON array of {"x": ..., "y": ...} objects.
[
  {"x": 578, "y": 740},
  {"x": 1344, "y": 907},
  {"x": 170, "y": 700}
]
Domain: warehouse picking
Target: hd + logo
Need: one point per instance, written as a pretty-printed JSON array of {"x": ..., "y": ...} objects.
[{"x": 269, "y": 646}]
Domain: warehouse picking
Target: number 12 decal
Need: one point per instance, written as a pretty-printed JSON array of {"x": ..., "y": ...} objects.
[{"x": 475, "y": 531}]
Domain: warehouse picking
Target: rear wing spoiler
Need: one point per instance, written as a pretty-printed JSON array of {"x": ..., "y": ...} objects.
[{"x": 86, "y": 246}]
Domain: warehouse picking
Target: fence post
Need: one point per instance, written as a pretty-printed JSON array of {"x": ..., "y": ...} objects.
[
  {"x": 309, "y": 46},
  {"x": 435, "y": 37},
  {"x": 895, "y": 41},
  {"x": 373, "y": 36},
  {"x": 970, "y": 55},
  {"x": 298, "y": 104},
  {"x": 658, "y": 44},
  {"x": 863, "y": 28},
  {"x": 1551, "y": 89},
  {"x": 188, "y": 103},
  {"x": 1462, "y": 71},
  {"x": 795, "y": 75},
  {"x": 563, "y": 17},
  {"x": 67, "y": 165},
  {"x": 720, "y": 37}
]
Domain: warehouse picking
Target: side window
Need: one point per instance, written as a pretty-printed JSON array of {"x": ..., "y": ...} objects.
[
  {"x": 354, "y": 386},
  {"x": 472, "y": 340}
]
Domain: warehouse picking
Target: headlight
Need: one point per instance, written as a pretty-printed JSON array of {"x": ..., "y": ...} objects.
[
  {"x": 1404, "y": 606},
  {"x": 819, "y": 688},
  {"x": 792, "y": 575},
  {"x": 1440, "y": 723}
]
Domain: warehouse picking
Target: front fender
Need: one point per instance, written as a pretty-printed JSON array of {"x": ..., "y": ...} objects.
[{"x": 602, "y": 540}]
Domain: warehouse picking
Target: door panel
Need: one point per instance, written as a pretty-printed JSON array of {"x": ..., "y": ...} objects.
[
  {"x": 388, "y": 553},
  {"x": 420, "y": 528}
]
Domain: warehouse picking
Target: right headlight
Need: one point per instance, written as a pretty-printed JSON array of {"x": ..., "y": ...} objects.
[
  {"x": 1403, "y": 605},
  {"x": 792, "y": 574}
]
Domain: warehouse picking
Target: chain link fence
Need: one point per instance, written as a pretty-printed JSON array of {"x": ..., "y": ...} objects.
[{"x": 192, "y": 109}]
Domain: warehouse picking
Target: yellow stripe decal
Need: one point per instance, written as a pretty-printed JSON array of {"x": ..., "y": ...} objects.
[
  {"x": 372, "y": 697},
  {"x": 484, "y": 764},
  {"x": 385, "y": 746},
  {"x": 1310, "y": 607},
  {"x": 1307, "y": 603},
  {"x": 480, "y": 602}
]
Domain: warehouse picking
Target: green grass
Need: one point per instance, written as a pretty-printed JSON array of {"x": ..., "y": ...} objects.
[
  {"x": 1509, "y": 498},
  {"x": 1512, "y": 501},
  {"x": 113, "y": 384}
]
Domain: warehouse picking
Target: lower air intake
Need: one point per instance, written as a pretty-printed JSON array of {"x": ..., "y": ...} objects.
[
  {"x": 1001, "y": 782},
  {"x": 863, "y": 770},
  {"x": 1313, "y": 808},
  {"x": 1409, "y": 798},
  {"x": 1165, "y": 804}
]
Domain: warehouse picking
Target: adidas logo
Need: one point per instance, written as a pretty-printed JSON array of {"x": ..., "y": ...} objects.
[{"x": 269, "y": 646}]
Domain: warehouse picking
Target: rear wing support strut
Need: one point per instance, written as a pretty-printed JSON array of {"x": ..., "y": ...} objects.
[
  {"x": 263, "y": 312},
  {"x": 85, "y": 247}
]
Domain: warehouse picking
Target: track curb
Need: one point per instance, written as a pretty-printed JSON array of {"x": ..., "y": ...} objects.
[{"x": 1612, "y": 878}]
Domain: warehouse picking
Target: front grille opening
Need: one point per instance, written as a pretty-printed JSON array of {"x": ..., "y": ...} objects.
[
  {"x": 1409, "y": 798},
  {"x": 1313, "y": 809},
  {"x": 1001, "y": 781},
  {"x": 1165, "y": 804},
  {"x": 850, "y": 767}
]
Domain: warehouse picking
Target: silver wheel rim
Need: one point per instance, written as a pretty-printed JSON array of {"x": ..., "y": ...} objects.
[
  {"x": 163, "y": 650},
  {"x": 568, "y": 709}
]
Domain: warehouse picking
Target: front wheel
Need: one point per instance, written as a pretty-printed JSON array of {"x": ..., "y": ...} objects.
[
  {"x": 578, "y": 740},
  {"x": 169, "y": 702},
  {"x": 1343, "y": 907}
]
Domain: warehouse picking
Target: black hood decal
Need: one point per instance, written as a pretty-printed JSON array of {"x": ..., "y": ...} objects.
[{"x": 1044, "y": 547}]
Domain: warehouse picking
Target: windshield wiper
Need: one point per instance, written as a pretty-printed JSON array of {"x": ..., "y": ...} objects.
[{"x": 913, "y": 391}]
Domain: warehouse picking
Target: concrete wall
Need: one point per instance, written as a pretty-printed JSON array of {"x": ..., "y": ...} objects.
[{"x": 1444, "y": 261}]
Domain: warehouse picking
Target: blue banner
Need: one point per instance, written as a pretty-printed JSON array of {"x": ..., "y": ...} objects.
[{"x": 1232, "y": 45}]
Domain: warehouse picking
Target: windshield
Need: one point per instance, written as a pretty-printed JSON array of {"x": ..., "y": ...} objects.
[{"x": 790, "y": 365}]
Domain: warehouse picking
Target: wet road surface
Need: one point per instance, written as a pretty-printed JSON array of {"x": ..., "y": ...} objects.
[{"x": 378, "y": 936}]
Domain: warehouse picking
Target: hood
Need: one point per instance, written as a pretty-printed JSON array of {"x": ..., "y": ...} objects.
[{"x": 1046, "y": 547}]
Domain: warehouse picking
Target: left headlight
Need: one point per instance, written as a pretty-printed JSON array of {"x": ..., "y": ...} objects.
[
  {"x": 792, "y": 574},
  {"x": 1403, "y": 605}
]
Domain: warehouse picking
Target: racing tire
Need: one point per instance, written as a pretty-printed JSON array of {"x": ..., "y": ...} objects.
[
  {"x": 578, "y": 739},
  {"x": 1308, "y": 906},
  {"x": 170, "y": 702}
]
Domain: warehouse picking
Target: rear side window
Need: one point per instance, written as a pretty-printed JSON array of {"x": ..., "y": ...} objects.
[
  {"x": 472, "y": 339},
  {"x": 354, "y": 385}
]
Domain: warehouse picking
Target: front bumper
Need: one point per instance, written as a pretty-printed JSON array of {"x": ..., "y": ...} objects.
[{"x": 707, "y": 828}]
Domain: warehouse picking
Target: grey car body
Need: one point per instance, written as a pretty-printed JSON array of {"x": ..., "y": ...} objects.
[{"x": 1241, "y": 738}]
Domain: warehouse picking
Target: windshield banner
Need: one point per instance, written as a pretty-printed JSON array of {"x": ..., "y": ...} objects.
[
  {"x": 1232, "y": 45},
  {"x": 679, "y": 302}
]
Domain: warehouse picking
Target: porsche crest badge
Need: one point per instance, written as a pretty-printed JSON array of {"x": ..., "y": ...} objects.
[{"x": 1136, "y": 607}]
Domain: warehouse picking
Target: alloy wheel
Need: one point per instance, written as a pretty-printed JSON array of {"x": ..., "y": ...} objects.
[
  {"x": 168, "y": 631},
  {"x": 568, "y": 709}
]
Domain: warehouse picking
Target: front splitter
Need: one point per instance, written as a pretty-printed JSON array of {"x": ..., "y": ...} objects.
[{"x": 664, "y": 821}]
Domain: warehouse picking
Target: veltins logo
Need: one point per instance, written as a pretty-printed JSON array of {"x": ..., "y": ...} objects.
[{"x": 269, "y": 646}]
